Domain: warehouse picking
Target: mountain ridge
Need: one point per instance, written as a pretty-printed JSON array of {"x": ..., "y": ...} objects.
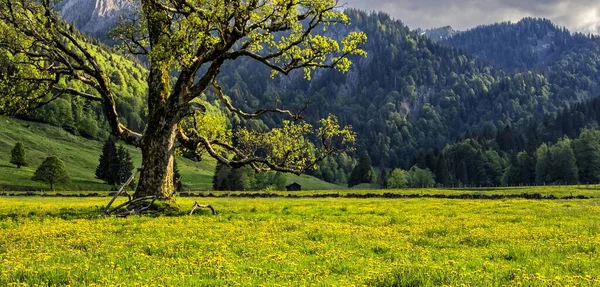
[{"x": 95, "y": 17}]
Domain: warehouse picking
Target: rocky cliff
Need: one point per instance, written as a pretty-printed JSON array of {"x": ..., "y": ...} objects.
[{"x": 94, "y": 16}]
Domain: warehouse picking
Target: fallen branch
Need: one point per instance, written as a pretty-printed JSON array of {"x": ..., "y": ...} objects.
[
  {"x": 126, "y": 184},
  {"x": 128, "y": 203},
  {"x": 133, "y": 206},
  {"x": 197, "y": 205}
]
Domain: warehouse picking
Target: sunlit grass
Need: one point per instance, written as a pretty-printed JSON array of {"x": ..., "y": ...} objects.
[{"x": 322, "y": 242}]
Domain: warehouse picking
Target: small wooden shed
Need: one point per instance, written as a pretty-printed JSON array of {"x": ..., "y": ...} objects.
[{"x": 294, "y": 186}]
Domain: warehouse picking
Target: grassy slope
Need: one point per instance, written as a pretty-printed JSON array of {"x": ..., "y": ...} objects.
[{"x": 81, "y": 158}]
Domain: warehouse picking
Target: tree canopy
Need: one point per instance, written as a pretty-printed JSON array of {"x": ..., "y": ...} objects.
[
  {"x": 363, "y": 172},
  {"x": 52, "y": 171},
  {"x": 185, "y": 44},
  {"x": 17, "y": 155}
]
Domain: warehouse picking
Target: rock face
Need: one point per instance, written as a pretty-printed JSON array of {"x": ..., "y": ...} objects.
[
  {"x": 438, "y": 34},
  {"x": 95, "y": 17}
]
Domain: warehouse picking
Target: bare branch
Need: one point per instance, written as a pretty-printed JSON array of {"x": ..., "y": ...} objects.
[{"x": 227, "y": 102}]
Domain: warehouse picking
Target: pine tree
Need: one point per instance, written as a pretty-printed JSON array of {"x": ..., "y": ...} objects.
[
  {"x": 115, "y": 164},
  {"x": 108, "y": 166},
  {"x": 526, "y": 168},
  {"x": 240, "y": 179},
  {"x": 124, "y": 166},
  {"x": 220, "y": 177},
  {"x": 462, "y": 173},
  {"x": 443, "y": 174},
  {"x": 52, "y": 171},
  {"x": 17, "y": 155},
  {"x": 363, "y": 172},
  {"x": 177, "y": 177}
]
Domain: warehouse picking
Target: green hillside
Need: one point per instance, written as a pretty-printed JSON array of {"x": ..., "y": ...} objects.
[{"x": 81, "y": 158}]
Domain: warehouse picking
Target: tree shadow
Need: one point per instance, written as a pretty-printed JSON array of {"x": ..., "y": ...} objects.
[
  {"x": 10, "y": 188},
  {"x": 489, "y": 189}
]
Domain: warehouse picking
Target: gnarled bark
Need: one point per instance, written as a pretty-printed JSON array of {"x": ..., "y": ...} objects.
[{"x": 156, "y": 177}]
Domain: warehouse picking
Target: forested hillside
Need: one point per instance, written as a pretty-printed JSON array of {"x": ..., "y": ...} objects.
[
  {"x": 555, "y": 149},
  {"x": 410, "y": 96},
  {"x": 570, "y": 61}
]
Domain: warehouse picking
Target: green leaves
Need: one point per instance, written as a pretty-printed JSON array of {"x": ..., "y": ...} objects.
[
  {"x": 282, "y": 34},
  {"x": 290, "y": 146},
  {"x": 17, "y": 155},
  {"x": 52, "y": 171},
  {"x": 211, "y": 124}
]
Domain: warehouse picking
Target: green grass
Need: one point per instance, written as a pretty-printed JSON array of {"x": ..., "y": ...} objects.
[
  {"x": 557, "y": 191},
  {"x": 303, "y": 242},
  {"x": 81, "y": 158}
]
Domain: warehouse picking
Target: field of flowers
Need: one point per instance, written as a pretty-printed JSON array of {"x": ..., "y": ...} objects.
[{"x": 300, "y": 242}]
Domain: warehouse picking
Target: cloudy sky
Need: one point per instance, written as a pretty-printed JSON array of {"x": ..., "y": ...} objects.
[{"x": 577, "y": 15}]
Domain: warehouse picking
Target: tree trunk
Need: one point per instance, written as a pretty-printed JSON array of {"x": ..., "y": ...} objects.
[
  {"x": 157, "y": 144},
  {"x": 158, "y": 140}
]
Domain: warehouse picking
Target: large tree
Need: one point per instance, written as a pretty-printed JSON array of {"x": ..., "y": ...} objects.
[
  {"x": 587, "y": 154},
  {"x": 185, "y": 43}
]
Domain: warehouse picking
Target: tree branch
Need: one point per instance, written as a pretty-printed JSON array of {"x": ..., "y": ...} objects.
[
  {"x": 227, "y": 102},
  {"x": 52, "y": 49}
]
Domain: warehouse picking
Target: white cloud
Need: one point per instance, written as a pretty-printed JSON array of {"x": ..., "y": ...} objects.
[{"x": 577, "y": 15}]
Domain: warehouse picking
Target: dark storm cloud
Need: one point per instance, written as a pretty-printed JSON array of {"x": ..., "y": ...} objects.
[{"x": 577, "y": 15}]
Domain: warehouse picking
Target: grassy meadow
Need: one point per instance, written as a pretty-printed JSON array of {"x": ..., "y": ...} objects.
[{"x": 302, "y": 242}]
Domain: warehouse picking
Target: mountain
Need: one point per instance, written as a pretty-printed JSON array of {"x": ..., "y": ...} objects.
[
  {"x": 95, "y": 17},
  {"x": 569, "y": 61},
  {"x": 409, "y": 95},
  {"x": 528, "y": 44}
]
